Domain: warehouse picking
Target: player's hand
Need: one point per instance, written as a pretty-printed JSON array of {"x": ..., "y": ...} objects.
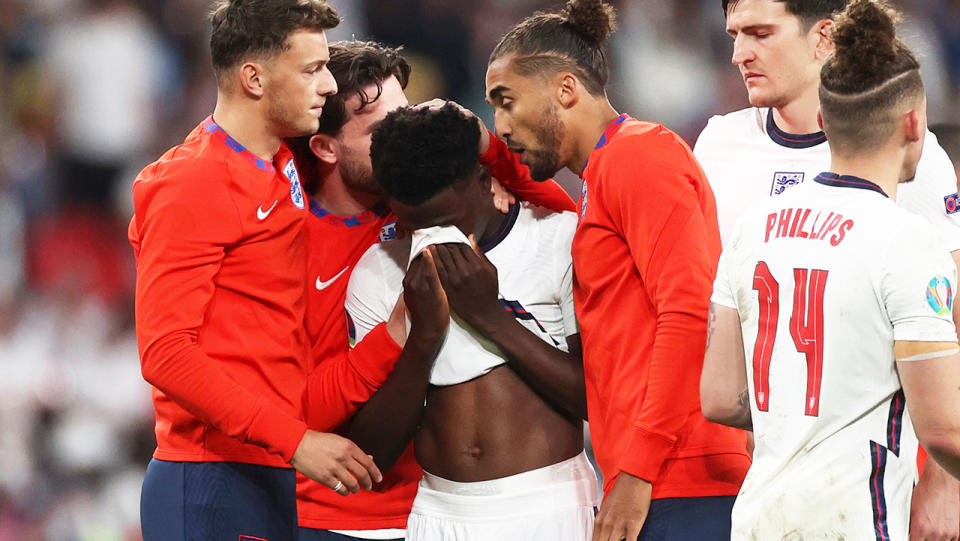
[
  {"x": 935, "y": 508},
  {"x": 502, "y": 199},
  {"x": 624, "y": 510},
  {"x": 336, "y": 462},
  {"x": 471, "y": 284},
  {"x": 437, "y": 103},
  {"x": 426, "y": 301}
]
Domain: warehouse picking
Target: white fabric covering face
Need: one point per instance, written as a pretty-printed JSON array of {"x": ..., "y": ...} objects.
[{"x": 534, "y": 269}]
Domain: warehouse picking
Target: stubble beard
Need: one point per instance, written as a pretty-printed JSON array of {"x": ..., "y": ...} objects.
[
  {"x": 545, "y": 161},
  {"x": 357, "y": 174}
]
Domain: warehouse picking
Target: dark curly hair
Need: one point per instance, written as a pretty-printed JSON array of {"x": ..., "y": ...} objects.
[
  {"x": 417, "y": 153},
  {"x": 809, "y": 11},
  {"x": 356, "y": 65},
  {"x": 869, "y": 75},
  {"x": 258, "y": 27},
  {"x": 572, "y": 40}
]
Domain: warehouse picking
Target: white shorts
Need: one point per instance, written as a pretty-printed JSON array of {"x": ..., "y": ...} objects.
[{"x": 554, "y": 503}]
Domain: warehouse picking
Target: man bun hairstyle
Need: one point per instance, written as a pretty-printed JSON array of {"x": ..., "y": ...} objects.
[
  {"x": 252, "y": 28},
  {"x": 809, "y": 11},
  {"x": 870, "y": 80},
  {"x": 573, "y": 39},
  {"x": 417, "y": 153}
]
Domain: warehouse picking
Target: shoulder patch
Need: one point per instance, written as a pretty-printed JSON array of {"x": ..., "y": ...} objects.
[
  {"x": 951, "y": 203},
  {"x": 940, "y": 295}
]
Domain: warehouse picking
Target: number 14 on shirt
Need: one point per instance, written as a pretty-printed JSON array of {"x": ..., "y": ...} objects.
[{"x": 806, "y": 328}]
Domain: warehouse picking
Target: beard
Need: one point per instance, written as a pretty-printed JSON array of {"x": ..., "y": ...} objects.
[
  {"x": 357, "y": 173},
  {"x": 545, "y": 161}
]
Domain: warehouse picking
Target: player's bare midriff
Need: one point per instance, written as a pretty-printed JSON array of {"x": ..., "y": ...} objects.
[{"x": 492, "y": 427}]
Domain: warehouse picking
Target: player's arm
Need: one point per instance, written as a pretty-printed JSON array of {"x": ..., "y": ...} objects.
[
  {"x": 669, "y": 242},
  {"x": 935, "y": 508},
  {"x": 180, "y": 250},
  {"x": 338, "y": 387},
  {"x": 724, "y": 397},
  {"x": 385, "y": 425},
  {"x": 930, "y": 375},
  {"x": 649, "y": 194},
  {"x": 470, "y": 282},
  {"x": 917, "y": 280}
]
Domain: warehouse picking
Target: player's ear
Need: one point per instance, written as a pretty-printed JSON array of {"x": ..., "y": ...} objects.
[
  {"x": 325, "y": 148},
  {"x": 824, "y": 44},
  {"x": 913, "y": 127},
  {"x": 819, "y": 119},
  {"x": 251, "y": 79},
  {"x": 568, "y": 89}
]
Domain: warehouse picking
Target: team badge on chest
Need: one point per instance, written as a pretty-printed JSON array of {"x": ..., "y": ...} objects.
[
  {"x": 296, "y": 194},
  {"x": 782, "y": 181}
]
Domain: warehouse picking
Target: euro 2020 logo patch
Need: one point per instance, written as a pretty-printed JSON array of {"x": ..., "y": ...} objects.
[
  {"x": 782, "y": 181},
  {"x": 940, "y": 295},
  {"x": 296, "y": 194}
]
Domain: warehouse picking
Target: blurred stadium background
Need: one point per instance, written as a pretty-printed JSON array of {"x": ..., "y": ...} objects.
[{"x": 93, "y": 90}]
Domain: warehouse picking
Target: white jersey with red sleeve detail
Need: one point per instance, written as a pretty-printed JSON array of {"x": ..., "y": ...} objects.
[
  {"x": 746, "y": 157},
  {"x": 825, "y": 278}
]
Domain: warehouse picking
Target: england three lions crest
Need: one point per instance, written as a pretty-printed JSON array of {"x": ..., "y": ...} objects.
[
  {"x": 782, "y": 181},
  {"x": 296, "y": 193}
]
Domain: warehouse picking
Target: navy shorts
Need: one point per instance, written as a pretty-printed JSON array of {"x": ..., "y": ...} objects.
[
  {"x": 218, "y": 501},
  {"x": 309, "y": 534},
  {"x": 688, "y": 519}
]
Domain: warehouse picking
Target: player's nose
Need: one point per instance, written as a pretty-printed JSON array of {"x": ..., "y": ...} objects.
[
  {"x": 327, "y": 85},
  {"x": 501, "y": 124},
  {"x": 742, "y": 51}
]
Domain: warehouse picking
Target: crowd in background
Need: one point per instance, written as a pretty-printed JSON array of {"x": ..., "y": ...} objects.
[{"x": 93, "y": 90}]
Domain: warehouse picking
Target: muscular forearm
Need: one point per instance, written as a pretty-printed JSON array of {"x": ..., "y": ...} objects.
[
  {"x": 555, "y": 375},
  {"x": 384, "y": 426}
]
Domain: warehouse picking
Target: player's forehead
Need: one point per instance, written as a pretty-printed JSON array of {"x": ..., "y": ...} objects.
[
  {"x": 748, "y": 13},
  {"x": 501, "y": 78},
  {"x": 391, "y": 97},
  {"x": 306, "y": 45}
]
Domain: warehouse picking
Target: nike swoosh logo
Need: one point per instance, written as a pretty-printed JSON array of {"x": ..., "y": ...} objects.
[
  {"x": 321, "y": 285},
  {"x": 262, "y": 214}
]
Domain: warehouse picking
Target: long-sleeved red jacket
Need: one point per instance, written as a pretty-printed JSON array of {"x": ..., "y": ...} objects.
[{"x": 644, "y": 257}]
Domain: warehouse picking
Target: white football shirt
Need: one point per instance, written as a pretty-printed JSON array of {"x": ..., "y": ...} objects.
[
  {"x": 534, "y": 267},
  {"x": 825, "y": 278},
  {"x": 747, "y": 157}
]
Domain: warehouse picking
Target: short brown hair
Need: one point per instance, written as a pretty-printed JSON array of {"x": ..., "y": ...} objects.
[
  {"x": 809, "y": 11},
  {"x": 244, "y": 28},
  {"x": 869, "y": 76},
  {"x": 572, "y": 40}
]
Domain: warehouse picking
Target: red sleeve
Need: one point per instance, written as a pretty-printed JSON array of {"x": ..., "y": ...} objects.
[
  {"x": 181, "y": 243},
  {"x": 675, "y": 253},
  {"x": 338, "y": 387},
  {"x": 505, "y": 166}
]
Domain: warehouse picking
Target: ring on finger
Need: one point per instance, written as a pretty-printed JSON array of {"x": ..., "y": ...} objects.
[{"x": 338, "y": 486}]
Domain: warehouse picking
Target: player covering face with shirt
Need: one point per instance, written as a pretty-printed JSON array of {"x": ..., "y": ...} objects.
[
  {"x": 832, "y": 312},
  {"x": 500, "y": 438}
]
